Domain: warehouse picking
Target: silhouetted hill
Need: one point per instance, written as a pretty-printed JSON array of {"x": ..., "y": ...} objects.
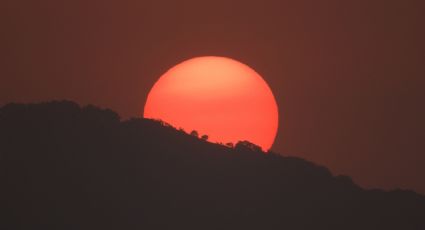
[{"x": 67, "y": 167}]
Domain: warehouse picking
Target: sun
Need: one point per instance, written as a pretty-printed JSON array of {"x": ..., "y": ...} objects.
[{"x": 217, "y": 96}]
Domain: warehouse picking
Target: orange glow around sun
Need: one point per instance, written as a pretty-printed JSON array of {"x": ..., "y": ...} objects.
[{"x": 216, "y": 96}]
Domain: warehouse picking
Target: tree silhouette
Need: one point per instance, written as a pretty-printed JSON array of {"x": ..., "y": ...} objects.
[
  {"x": 247, "y": 146},
  {"x": 194, "y": 133},
  {"x": 229, "y": 144},
  {"x": 204, "y": 137}
]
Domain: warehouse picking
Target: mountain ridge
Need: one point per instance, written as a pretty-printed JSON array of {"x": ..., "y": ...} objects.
[{"x": 66, "y": 166}]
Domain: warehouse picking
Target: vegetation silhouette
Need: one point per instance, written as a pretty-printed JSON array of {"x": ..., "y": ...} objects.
[
  {"x": 69, "y": 167},
  {"x": 194, "y": 133},
  {"x": 204, "y": 137}
]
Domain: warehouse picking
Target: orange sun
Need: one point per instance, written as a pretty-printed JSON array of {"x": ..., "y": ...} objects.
[{"x": 217, "y": 96}]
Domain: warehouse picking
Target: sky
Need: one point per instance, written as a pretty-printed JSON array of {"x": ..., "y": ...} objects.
[{"x": 348, "y": 76}]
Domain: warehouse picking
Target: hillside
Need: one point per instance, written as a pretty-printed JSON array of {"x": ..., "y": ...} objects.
[{"x": 69, "y": 167}]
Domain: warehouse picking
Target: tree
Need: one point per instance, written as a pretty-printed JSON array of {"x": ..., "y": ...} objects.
[
  {"x": 194, "y": 133},
  {"x": 204, "y": 137},
  {"x": 246, "y": 145}
]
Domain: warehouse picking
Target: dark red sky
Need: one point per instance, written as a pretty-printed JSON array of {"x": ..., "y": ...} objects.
[{"x": 348, "y": 76}]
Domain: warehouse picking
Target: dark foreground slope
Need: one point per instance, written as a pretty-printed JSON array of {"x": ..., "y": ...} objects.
[{"x": 66, "y": 167}]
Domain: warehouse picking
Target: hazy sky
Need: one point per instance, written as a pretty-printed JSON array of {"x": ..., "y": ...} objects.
[{"x": 348, "y": 76}]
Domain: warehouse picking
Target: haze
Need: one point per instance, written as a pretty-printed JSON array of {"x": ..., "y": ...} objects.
[{"x": 347, "y": 75}]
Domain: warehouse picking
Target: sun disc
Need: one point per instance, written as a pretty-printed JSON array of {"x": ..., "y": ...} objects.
[{"x": 217, "y": 96}]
